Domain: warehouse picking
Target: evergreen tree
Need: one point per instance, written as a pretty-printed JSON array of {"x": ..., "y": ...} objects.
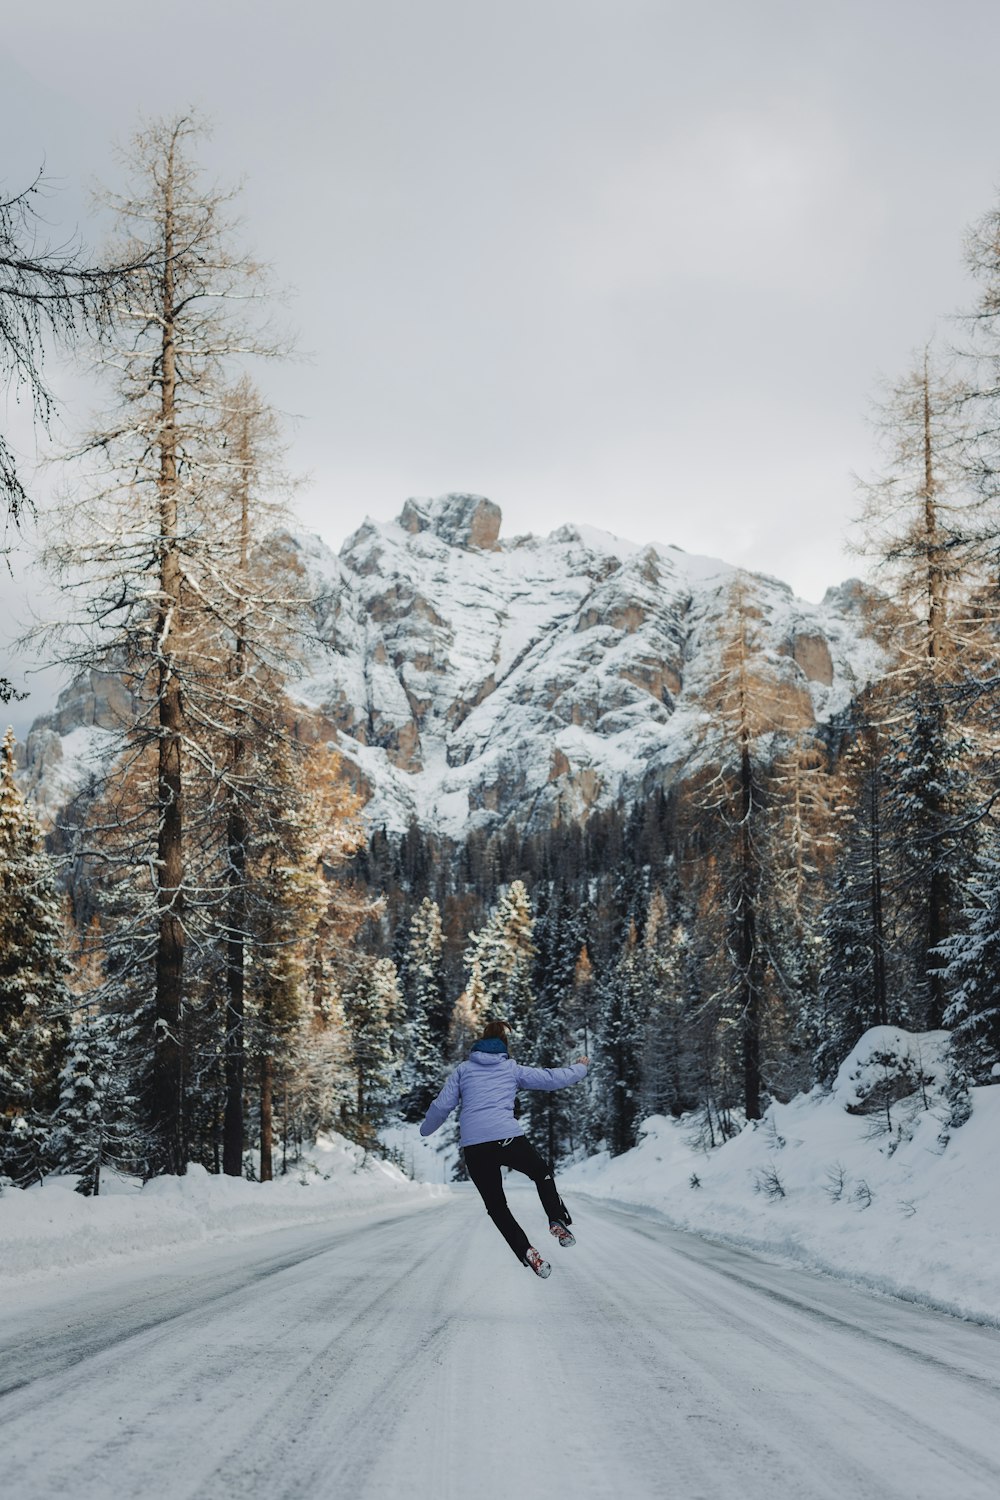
[
  {"x": 549, "y": 1113},
  {"x": 469, "y": 1014},
  {"x": 34, "y": 998},
  {"x": 427, "y": 1010},
  {"x": 854, "y": 990},
  {"x": 581, "y": 1012},
  {"x": 505, "y": 953},
  {"x": 931, "y": 800},
  {"x": 372, "y": 1009},
  {"x": 554, "y": 1118},
  {"x": 620, "y": 1034},
  {"x": 285, "y": 900},
  {"x": 664, "y": 1068},
  {"x": 92, "y": 1117},
  {"x": 971, "y": 965}
]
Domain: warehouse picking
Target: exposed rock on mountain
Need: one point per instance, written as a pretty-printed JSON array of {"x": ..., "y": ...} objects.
[
  {"x": 77, "y": 740},
  {"x": 471, "y": 680}
]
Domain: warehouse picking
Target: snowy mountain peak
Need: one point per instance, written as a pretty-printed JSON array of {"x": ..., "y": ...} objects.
[
  {"x": 459, "y": 520},
  {"x": 473, "y": 679}
]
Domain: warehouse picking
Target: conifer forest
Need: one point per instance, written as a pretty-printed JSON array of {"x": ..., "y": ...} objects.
[{"x": 210, "y": 951}]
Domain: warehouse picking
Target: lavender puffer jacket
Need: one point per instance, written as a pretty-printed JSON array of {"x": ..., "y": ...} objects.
[{"x": 484, "y": 1087}]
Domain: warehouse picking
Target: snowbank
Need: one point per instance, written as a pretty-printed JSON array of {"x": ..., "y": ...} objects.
[
  {"x": 895, "y": 1200},
  {"x": 47, "y": 1228}
]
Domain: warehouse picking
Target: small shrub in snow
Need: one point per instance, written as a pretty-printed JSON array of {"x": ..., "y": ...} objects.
[
  {"x": 694, "y": 1180},
  {"x": 906, "y": 1208},
  {"x": 836, "y": 1181},
  {"x": 775, "y": 1142},
  {"x": 767, "y": 1181},
  {"x": 862, "y": 1195}
]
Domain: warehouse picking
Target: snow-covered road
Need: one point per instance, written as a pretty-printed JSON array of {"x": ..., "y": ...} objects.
[{"x": 408, "y": 1355}]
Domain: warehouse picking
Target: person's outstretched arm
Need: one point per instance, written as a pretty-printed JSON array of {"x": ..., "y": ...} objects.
[
  {"x": 443, "y": 1105},
  {"x": 550, "y": 1078}
]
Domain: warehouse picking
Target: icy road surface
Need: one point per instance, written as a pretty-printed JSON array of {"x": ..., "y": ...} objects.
[{"x": 410, "y": 1356}]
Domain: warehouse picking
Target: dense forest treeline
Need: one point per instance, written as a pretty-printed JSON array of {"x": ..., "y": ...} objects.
[{"x": 210, "y": 957}]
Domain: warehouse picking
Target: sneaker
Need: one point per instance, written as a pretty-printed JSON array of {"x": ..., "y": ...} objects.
[
  {"x": 562, "y": 1234},
  {"x": 540, "y": 1266}
]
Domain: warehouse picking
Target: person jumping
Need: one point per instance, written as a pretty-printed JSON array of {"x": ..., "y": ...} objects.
[{"x": 483, "y": 1088}]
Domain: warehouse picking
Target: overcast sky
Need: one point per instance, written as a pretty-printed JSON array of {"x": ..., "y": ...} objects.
[{"x": 625, "y": 262}]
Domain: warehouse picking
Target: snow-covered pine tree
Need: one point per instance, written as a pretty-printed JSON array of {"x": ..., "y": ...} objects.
[
  {"x": 373, "y": 1008},
  {"x": 664, "y": 1067},
  {"x": 856, "y": 986},
  {"x": 427, "y": 1010},
  {"x": 558, "y": 937},
  {"x": 930, "y": 813},
  {"x": 581, "y": 1011},
  {"x": 970, "y": 961},
  {"x": 95, "y": 1123},
  {"x": 470, "y": 1011},
  {"x": 35, "y": 1002},
  {"x": 323, "y": 1077},
  {"x": 713, "y": 1033},
  {"x": 549, "y": 1121},
  {"x": 799, "y": 854},
  {"x": 505, "y": 952},
  {"x": 286, "y": 897},
  {"x": 619, "y": 1046},
  {"x": 89, "y": 1121}
]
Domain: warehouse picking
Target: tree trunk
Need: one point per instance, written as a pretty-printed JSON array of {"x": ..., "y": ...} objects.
[
  {"x": 938, "y": 889},
  {"x": 938, "y": 894},
  {"x": 746, "y": 909},
  {"x": 232, "y": 1147},
  {"x": 168, "y": 1081},
  {"x": 236, "y": 838},
  {"x": 879, "y": 995},
  {"x": 936, "y": 600},
  {"x": 266, "y": 1116},
  {"x": 747, "y": 945}
]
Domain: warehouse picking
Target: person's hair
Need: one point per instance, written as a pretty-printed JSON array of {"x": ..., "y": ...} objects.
[{"x": 498, "y": 1029}]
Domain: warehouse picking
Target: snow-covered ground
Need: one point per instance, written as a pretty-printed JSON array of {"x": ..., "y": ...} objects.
[
  {"x": 51, "y": 1228},
  {"x": 914, "y": 1212},
  {"x": 407, "y": 1354}
]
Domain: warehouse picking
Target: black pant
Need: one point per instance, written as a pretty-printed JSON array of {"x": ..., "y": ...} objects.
[{"x": 484, "y": 1162}]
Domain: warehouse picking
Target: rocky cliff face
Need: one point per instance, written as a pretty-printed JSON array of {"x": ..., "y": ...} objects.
[
  {"x": 79, "y": 739},
  {"x": 471, "y": 680}
]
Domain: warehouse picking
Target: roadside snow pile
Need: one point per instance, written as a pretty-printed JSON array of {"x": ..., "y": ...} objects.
[
  {"x": 874, "y": 1181},
  {"x": 51, "y": 1227}
]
